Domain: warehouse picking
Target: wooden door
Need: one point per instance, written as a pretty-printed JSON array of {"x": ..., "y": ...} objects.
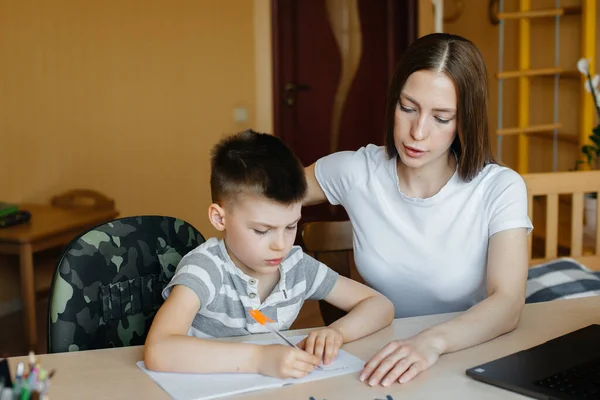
[{"x": 333, "y": 62}]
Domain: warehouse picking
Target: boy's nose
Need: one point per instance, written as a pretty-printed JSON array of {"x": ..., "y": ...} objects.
[{"x": 278, "y": 243}]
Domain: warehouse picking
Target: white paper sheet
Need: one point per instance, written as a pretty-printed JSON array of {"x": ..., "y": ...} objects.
[{"x": 211, "y": 386}]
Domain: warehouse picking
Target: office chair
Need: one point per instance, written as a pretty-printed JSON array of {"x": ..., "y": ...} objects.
[
  {"x": 108, "y": 281},
  {"x": 330, "y": 242}
]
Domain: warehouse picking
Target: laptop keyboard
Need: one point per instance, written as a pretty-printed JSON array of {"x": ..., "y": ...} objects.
[{"x": 582, "y": 381}]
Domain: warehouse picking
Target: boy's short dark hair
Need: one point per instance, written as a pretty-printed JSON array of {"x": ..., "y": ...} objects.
[{"x": 256, "y": 163}]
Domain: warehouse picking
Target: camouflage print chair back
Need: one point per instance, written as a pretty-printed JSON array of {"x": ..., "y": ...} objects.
[{"x": 107, "y": 284}]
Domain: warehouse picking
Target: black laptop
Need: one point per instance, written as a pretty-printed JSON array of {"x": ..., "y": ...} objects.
[{"x": 564, "y": 368}]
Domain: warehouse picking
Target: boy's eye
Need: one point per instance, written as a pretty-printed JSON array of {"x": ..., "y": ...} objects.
[
  {"x": 292, "y": 227},
  {"x": 261, "y": 233}
]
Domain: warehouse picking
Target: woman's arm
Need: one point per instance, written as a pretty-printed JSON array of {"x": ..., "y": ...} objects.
[
  {"x": 169, "y": 349},
  {"x": 314, "y": 194},
  {"x": 499, "y": 313}
]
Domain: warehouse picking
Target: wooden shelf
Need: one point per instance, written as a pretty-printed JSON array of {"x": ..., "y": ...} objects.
[
  {"x": 529, "y": 129},
  {"x": 530, "y": 72},
  {"x": 551, "y": 12},
  {"x": 562, "y": 136}
]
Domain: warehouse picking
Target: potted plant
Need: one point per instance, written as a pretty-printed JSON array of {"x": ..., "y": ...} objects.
[{"x": 591, "y": 151}]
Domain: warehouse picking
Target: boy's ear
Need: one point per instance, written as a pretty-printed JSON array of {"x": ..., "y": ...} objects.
[{"x": 216, "y": 215}]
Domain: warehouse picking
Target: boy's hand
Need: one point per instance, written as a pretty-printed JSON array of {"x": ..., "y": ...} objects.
[
  {"x": 284, "y": 362},
  {"x": 324, "y": 343}
]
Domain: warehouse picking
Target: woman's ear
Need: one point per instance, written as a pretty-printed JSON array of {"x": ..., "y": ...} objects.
[{"x": 216, "y": 215}]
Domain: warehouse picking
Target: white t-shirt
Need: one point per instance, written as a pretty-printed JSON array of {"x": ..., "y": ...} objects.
[{"x": 428, "y": 256}]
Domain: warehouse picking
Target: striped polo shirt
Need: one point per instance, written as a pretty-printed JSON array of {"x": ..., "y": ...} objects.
[{"x": 227, "y": 294}]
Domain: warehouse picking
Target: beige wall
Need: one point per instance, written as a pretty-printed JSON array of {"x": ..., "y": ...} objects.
[{"x": 125, "y": 97}]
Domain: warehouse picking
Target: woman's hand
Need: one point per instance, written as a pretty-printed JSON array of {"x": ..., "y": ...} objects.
[
  {"x": 324, "y": 343},
  {"x": 401, "y": 360}
]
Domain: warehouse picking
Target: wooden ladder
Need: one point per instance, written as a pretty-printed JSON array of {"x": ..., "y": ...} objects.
[{"x": 524, "y": 130}]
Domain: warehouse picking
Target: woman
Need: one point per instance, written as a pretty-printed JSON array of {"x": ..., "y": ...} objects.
[{"x": 438, "y": 225}]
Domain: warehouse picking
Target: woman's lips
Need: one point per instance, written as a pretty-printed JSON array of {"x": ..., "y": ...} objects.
[{"x": 413, "y": 152}]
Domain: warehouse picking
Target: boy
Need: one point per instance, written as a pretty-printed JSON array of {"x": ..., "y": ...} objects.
[{"x": 257, "y": 189}]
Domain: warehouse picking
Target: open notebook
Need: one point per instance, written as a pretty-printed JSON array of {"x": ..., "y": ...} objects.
[{"x": 212, "y": 386}]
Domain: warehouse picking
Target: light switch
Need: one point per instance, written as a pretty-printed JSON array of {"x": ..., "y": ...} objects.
[{"x": 240, "y": 115}]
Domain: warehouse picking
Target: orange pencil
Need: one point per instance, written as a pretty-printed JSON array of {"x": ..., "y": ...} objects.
[{"x": 263, "y": 319}]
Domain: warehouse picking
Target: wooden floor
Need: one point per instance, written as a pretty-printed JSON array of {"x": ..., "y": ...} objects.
[{"x": 12, "y": 335}]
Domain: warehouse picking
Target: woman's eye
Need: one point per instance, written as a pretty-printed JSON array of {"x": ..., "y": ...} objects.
[
  {"x": 291, "y": 228},
  {"x": 260, "y": 233},
  {"x": 442, "y": 120},
  {"x": 406, "y": 109}
]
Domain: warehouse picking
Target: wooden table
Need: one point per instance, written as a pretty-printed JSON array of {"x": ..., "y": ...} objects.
[
  {"x": 113, "y": 374},
  {"x": 49, "y": 227}
]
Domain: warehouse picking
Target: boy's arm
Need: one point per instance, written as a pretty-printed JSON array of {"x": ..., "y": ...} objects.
[
  {"x": 168, "y": 348},
  {"x": 368, "y": 310}
]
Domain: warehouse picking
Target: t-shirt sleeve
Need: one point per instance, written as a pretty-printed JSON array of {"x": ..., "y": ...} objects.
[
  {"x": 200, "y": 273},
  {"x": 335, "y": 174},
  {"x": 506, "y": 203},
  {"x": 320, "y": 279}
]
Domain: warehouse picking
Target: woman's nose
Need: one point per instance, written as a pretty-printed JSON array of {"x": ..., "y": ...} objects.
[{"x": 419, "y": 130}]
